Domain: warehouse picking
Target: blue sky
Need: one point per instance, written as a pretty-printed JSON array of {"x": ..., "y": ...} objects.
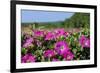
[{"x": 28, "y": 16}]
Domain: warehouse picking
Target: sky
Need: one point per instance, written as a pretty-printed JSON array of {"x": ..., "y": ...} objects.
[{"x": 28, "y": 16}]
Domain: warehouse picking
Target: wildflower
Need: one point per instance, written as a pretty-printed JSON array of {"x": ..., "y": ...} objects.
[
  {"x": 60, "y": 32},
  {"x": 28, "y": 58},
  {"x": 49, "y": 53},
  {"x": 49, "y": 36},
  {"x": 85, "y": 42},
  {"x": 38, "y": 33},
  {"x": 69, "y": 55},
  {"x": 54, "y": 59},
  {"x": 28, "y": 42},
  {"x": 61, "y": 47}
]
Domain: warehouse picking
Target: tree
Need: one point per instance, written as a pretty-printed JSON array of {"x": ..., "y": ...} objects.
[{"x": 78, "y": 20}]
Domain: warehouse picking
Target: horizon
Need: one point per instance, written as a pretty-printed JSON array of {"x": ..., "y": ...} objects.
[{"x": 29, "y": 16}]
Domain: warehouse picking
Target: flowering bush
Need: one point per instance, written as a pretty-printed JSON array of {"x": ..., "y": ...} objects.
[{"x": 55, "y": 45}]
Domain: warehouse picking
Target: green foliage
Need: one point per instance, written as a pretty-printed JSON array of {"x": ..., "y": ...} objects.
[
  {"x": 80, "y": 53},
  {"x": 23, "y": 50},
  {"x": 78, "y": 20}
]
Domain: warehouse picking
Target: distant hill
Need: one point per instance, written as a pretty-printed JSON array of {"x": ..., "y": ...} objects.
[{"x": 76, "y": 21}]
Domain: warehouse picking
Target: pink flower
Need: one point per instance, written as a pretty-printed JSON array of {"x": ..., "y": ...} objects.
[
  {"x": 85, "y": 42},
  {"x": 54, "y": 59},
  {"x": 28, "y": 58},
  {"x": 67, "y": 34},
  {"x": 60, "y": 32},
  {"x": 49, "y": 53},
  {"x": 69, "y": 55},
  {"x": 61, "y": 47},
  {"x": 28, "y": 42},
  {"x": 49, "y": 36},
  {"x": 38, "y": 33}
]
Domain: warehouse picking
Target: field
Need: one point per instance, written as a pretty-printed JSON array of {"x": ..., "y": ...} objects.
[{"x": 56, "y": 41}]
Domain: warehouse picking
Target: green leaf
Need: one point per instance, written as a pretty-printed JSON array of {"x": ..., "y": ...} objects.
[
  {"x": 74, "y": 50},
  {"x": 24, "y": 51}
]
